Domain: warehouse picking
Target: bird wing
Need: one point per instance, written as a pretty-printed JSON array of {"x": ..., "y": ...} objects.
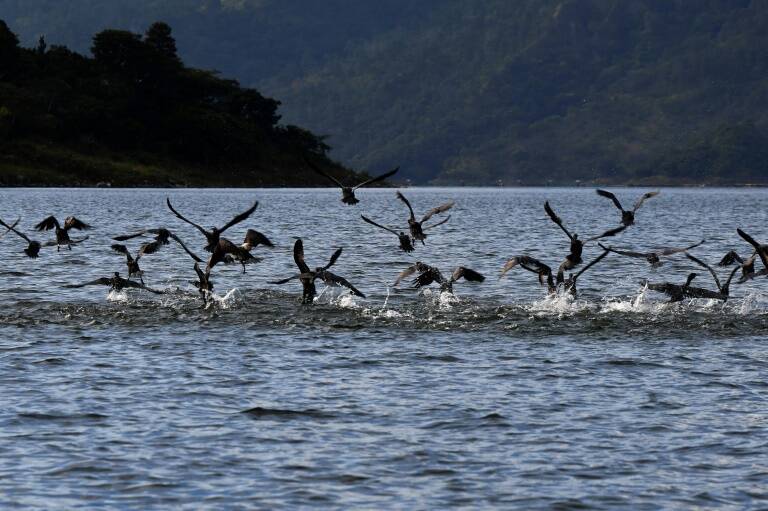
[
  {"x": 239, "y": 218},
  {"x": 283, "y": 281},
  {"x": 327, "y": 176},
  {"x": 98, "y": 282},
  {"x": 12, "y": 228},
  {"x": 609, "y": 232},
  {"x": 427, "y": 275},
  {"x": 79, "y": 240},
  {"x": 254, "y": 238},
  {"x": 377, "y": 178},
  {"x": 180, "y": 216},
  {"x": 528, "y": 263},
  {"x": 708, "y": 267},
  {"x": 592, "y": 263},
  {"x": 333, "y": 259},
  {"x": 642, "y": 199},
  {"x": 605, "y": 193},
  {"x": 9, "y": 228},
  {"x": 556, "y": 219},
  {"x": 697, "y": 292},
  {"x": 730, "y": 258},
  {"x": 366, "y": 219},
  {"x": 330, "y": 278},
  {"x": 441, "y": 222},
  {"x": 759, "y": 248},
  {"x": 468, "y": 274},
  {"x": 73, "y": 223},
  {"x": 440, "y": 209},
  {"x": 627, "y": 253},
  {"x": 298, "y": 256},
  {"x": 405, "y": 273},
  {"x": 122, "y": 249},
  {"x": 670, "y": 251},
  {"x": 200, "y": 275},
  {"x": 148, "y": 248},
  {"x": 47, "y": 224},
  {"x": 188, "y": 251},
  {"x": 130, "y": 236},
  {"x": 402, "y": 198}
]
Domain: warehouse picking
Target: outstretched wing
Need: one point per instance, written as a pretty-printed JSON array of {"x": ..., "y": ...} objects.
[
  {"x": 610, "y": 232},
  {"x": 298, "y": 256},
  {"x": 759, "y": 248},
  {"x": 148, "y": 248},
  {"x": 255, "y": 238},
  {"x": 405, "y": 273},
  {"x": 239, "y": 218},
  {"x": 627, "y": 253},
  {"x": 330, "y": 278},
  {"x": 366, "y": 219},
  {"x": 377, "y": 178},
  {"x": 605, "y": 193},
  {"x": 283, "y": 281},
  {"x": 440, "y": 209},
  {"x": 327, "y": 176},
  {"x": 426, "y": 277},
  {"x": 47, "y": 224},
  {"x": 556, "y": 219},
  {"x": 441, "y": 222},
  {"x": 73, "y": 223},
  {"x": 12, "y": 228},
  {"x": 468, "y": 274},
  {"x": 708, "y": 267},
  {"x": 122, "y": 249},
  {"x": 9, "y": 228},
  {"x": 181, "y": 217},
  {"x": 130, "y": 236},
  {"x": 730, "y": 258},
  {"x": 334, "y": 257},
  {"x": 670, "y": 251},
  {"x": 402, "y": 198},
  {"x": 188, "y": 251},
  {"x": 528, "y": 263},
  {"x": 642, "y": 199},
  {"x": 98, "y": 282}
]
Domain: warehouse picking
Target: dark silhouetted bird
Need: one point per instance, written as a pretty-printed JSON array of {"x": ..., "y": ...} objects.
[
  {"x": 348, "y": 192},
  {"x": 627, "y": 217},
  {"x": 307, "y": 277}
]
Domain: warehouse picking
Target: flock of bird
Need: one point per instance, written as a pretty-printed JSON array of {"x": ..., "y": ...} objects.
[{"x": 224, "y": 251}]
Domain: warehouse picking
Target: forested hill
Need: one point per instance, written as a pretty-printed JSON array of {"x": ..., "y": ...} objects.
[
  {"x": 487, "y": 91},
  {"x": 133, "y": 114}
]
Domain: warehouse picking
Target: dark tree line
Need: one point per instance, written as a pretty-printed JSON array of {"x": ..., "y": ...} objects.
[{"x": 136, "y": 97}]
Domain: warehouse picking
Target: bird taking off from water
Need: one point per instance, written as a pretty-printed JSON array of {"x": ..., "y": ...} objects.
[
  {"x": 654, "y": 257},
  {"x": 307, "y": 277},
  {"x": 212, "y": 236},
  {"x": 573, "y": 258},
  {"x": 429, "y": 274},
  {"x": 416, "y": 227},
  {"x": 116, "y": 283},
  {"x": 62, "y": 233}
]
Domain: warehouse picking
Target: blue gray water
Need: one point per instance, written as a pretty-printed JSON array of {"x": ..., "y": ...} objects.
[{"x": 498, "y": 397}]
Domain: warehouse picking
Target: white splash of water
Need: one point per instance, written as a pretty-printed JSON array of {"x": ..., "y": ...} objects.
[{"x": 117, "y": 296}]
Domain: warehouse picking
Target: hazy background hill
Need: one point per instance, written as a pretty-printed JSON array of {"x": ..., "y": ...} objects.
[{"x": 526, "y": 91}]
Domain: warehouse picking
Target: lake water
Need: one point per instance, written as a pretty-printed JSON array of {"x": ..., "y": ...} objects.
[{"x": 498, "y": 397}]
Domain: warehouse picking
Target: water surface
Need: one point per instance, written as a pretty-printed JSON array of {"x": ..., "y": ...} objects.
[{"x": 497, "y": 397}]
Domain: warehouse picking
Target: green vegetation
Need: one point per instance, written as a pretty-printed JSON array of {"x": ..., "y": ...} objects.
[
  {"x": 135, "y": 115},
  {"x": 487, "y": 91}
]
